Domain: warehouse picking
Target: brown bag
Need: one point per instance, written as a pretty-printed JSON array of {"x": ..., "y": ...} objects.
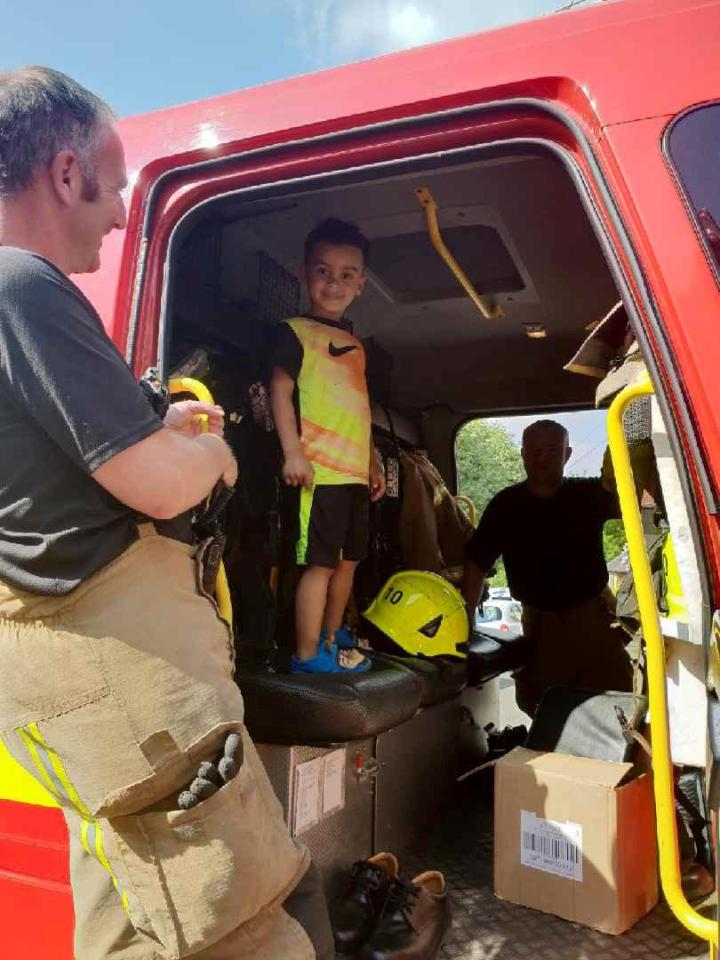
[{"x": 433, "y": 528}]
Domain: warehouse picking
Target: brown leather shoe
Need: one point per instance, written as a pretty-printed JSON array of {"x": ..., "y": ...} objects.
[
  {"x": 355, "y": 914},
  {"x": 697, "y": 883},
  {"x": 414, "y": 920}
]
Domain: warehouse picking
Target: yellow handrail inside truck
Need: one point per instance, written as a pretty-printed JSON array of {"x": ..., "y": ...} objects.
[
  {"x": 428, "y": 203},
  {"x": 701, "y": 926},
  {"x": 468, "y": 505},
  {"x": 201, "y": 392}
]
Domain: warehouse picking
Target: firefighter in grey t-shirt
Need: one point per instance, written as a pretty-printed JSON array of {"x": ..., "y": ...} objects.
[{"x": 117, "y": 670}]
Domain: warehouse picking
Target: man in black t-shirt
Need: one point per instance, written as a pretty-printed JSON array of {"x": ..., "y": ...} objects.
[
  {"x": 548, "y": 531},
  {"x": 117, "y": 677}
]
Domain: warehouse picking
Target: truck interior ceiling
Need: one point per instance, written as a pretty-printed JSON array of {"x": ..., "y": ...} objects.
[{"x": 514, "y": 224}]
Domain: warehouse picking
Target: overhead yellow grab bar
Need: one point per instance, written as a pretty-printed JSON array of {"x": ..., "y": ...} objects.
[
  {"x": 222, "y": 588},
  {"x": 428, "y": 203},
  {"x": 701, "y": 926}
]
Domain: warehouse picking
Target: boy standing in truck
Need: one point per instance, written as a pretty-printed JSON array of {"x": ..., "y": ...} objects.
[{"x": 322, "y": 414}]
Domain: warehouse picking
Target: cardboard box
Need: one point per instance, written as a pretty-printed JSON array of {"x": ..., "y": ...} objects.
[{"x": 572, "y": 839}]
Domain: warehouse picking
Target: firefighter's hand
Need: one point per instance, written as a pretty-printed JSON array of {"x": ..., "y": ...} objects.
[
  {"x": 230, "y": 475},
  {"x": 298, "y": 471},
  {"x": 189, "y": 417}
]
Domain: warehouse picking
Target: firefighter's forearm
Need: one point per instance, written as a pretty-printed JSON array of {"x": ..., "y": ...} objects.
[
  {"x": 473, "y": 582},
  {"x": 167, "y": 473}
]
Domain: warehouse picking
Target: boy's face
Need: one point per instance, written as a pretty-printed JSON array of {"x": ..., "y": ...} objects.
[{"x": 335, "y": 275}]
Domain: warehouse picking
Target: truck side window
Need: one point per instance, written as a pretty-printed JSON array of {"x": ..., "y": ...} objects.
[{"x": 693, "y": 148}]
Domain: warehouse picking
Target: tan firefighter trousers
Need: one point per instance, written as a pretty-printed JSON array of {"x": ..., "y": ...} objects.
[
  {"x": 578, "y": 647},
  {"x": 111, "y": 696}
]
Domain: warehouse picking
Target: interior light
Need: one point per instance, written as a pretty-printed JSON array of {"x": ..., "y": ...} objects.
[{"x": 536, "y": 331}]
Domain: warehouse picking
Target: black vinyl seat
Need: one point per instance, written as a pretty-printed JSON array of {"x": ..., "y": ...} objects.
[
  {"x": 442, "y": 678},
  {"x": 281, "y": 707},
  {"x": 488, "y": 656}
]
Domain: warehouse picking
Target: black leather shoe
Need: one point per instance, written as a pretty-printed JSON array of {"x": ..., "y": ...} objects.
[
  {"x": 414, "y": 920},
  {"x": 354, "y": 915}
]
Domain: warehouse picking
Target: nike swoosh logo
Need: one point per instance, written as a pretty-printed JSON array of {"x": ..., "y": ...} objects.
[{"x": 339, "y": 351}]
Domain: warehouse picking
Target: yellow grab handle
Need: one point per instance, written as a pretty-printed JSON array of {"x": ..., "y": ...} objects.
[
  {"x": 701, "y": 926},
  {"x": 426, "y": 199},
  {"x": 462, "y": 501},
  {"x": 201, "y": 392}
]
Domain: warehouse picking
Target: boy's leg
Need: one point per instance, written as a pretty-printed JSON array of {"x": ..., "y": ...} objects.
[
  {"x": 338, "y": 596},
  {"x": 337, "y": 600},
  {"x": 312, "y": 595},
  {"x": 327, "y": 527}
]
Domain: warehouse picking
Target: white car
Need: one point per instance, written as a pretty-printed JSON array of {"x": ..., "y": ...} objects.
[{"x": 499, "y": 617}]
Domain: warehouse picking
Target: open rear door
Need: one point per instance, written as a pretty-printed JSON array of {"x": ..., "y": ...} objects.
[{"x": 702, "y": 926}]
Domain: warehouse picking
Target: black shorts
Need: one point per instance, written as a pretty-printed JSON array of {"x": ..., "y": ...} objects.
[{"x": 333, "y": 524}]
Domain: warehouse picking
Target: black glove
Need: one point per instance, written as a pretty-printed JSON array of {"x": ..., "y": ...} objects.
[{"x": 212, "y": 775}]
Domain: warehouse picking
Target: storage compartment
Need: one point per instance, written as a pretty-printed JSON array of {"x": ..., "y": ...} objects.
[
  {"x": 338, "y": 836},
  {"x": 383, "y": 803},
  {"x": 418, "y": 771}
]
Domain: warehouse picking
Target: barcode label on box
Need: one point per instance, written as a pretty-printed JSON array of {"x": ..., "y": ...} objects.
[{"x": 551, "y": 846}]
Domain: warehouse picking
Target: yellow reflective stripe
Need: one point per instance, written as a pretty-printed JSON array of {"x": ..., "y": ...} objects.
[
  {"x": 105, "y": 863},
  {"x": 60, "y": 772},
  {"x": 306, "y": 502},
  {"x": 55, "y": 777},
  {"x": 39, "y": 765},
  {"x": 84, "y": 830},
  {"x": 100, "y": 851}
]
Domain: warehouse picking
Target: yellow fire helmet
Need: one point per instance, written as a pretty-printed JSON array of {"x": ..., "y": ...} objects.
[{"x": 422, "y": 614}]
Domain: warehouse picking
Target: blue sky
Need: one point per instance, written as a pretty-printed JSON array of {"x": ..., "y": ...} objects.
[
  {"x": 143, "y": 54},
  {"x": 140, "y": 55},
  {"x": 588, "y": 438}
]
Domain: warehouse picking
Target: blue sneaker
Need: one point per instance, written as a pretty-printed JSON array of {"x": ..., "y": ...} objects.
[
  {"x": 327, "y": 661},
  {"x": 345, "y": 639}
]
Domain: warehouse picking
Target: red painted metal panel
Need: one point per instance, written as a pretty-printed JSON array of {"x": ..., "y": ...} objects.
[
  {"x": 36, "y": 919},
  {"x": 36, "y": 911},
  {"x": 681, "y": 280}
]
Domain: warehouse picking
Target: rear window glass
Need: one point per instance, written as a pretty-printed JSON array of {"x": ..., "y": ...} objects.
[{"x": 693, "y": 147}]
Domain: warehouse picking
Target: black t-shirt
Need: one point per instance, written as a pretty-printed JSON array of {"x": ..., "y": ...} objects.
[
  {"x": 68, "y": 403},
  {"x": 552, "y": 546}
]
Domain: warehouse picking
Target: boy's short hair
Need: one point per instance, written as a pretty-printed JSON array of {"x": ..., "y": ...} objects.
[{"x": 339, "y": 233}]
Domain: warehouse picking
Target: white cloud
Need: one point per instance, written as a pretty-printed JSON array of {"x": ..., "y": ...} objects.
[
  {"x": 334, "y": 31},
  {"x": 379, "y": 26}
]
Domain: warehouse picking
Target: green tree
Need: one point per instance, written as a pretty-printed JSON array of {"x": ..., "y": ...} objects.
[
  {"x": 488, "y": 460},
  {"x": 614, "y": 539}
]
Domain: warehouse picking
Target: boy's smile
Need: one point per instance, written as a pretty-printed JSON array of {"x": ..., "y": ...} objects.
[{"x": 335, "y": 275}]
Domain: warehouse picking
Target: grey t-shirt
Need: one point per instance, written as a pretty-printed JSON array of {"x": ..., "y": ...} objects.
[{"x": 68, "y": 403}]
